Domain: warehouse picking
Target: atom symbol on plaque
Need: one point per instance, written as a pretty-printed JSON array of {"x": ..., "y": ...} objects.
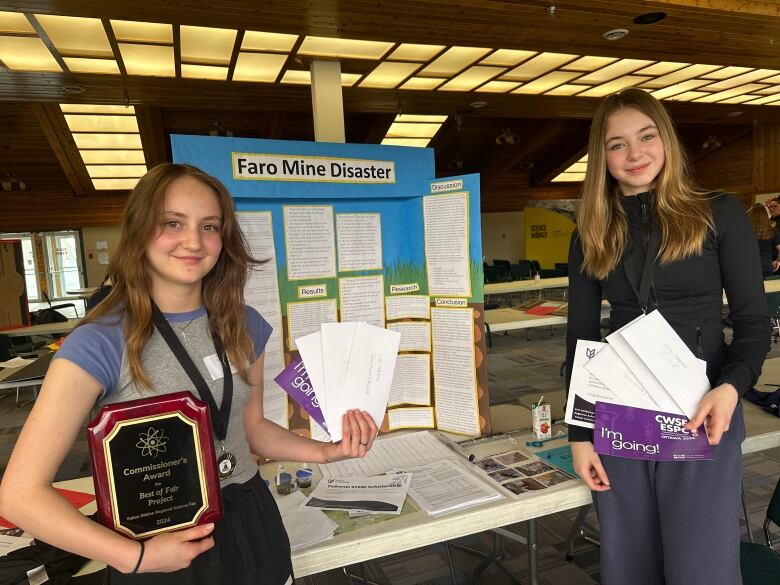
[{"x": 152, "y": 442}]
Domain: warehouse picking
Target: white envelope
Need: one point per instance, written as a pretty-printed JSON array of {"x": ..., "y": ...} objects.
[
  {"x": 645, "y": 375},
  {"x": 585, "y": 385},
  {"x": 674, "y": 365},
  {"x": 369, "y": 374},
  {"x": 611, "y": 371},
  {"x": 337, "y": 341},
  {"x": 310, "y": 348}
]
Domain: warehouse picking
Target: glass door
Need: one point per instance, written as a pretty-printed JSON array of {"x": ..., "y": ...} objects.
[
  {"x": 63, "y": 263},
  {"x": 30, "y": 266}
]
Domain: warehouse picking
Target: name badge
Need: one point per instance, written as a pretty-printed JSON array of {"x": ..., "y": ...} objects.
[{"x": 214, "y": 366}]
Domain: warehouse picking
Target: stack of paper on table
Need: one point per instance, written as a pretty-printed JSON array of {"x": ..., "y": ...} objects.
[
  {"x": 644, "y": 365},
  {"x": 439, "y": 482},
  {"x": 445, "y": 487},
  {"x": 390, "y": 453},
  {"x": 304, "y": 526},
  {"x": 343, "y": 366}
]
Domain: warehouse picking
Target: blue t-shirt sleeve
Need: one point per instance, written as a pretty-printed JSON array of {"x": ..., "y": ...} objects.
[
  {"x": 259, "y": 330},
  {"x": 97, "y": 349}
]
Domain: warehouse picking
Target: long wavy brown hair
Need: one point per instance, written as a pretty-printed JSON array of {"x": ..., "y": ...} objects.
[
  {"x": 759, "y": 217},
  {"x": 223, "y": 286},
  {"x": 681, "y": 208}
]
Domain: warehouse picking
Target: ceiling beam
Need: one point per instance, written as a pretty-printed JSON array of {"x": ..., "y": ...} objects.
[
  {"x": 506, "y": 158},
  {"x": 273, "y": 125},
  {"x": 234, "y": 54},
  {"x": 740, "y": 6},
  {"x": 153, "y": 139},
  {"x": 47, "y": 41},
  {"x": 54, "y": 126},
  {"x": 114, "y": 46},
  {"x": 246, "y": 96},
  {"x": 379, "y": 128},
  {"x": 570, "y": 152}
]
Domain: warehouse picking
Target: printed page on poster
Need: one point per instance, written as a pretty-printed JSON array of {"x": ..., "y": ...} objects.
[
  {"x": 362, "y": 298},
  {"x": 411, "y": 380},
  {"x": 420, "y": 417},
  {"x": 307, "y": 317},
  {"x": 262, "y": 293},
  {"x": 310, "y": 242},
  {"x": 414, "y": 336},
  {"x": 359, "y": 237},
  {"x": 408, "y": 307},
  {"x": 454, "y": 371},
  {"x": 447, "y": 244}
]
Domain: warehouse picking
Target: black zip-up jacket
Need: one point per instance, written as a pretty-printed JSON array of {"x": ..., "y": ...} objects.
[{"x": 687, "y": 292}]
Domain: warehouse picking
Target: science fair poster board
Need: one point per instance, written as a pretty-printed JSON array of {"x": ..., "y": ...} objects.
[{"x": 356, "y": 232}]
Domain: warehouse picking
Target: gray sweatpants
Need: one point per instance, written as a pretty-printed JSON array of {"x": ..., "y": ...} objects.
[{"x": 673, "y": 522}]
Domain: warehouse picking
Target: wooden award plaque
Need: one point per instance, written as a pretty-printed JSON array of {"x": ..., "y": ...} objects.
[{"x": 154, "y": 466}]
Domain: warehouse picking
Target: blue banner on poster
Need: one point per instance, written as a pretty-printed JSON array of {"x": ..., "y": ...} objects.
[{"x": 389, "y": 181}]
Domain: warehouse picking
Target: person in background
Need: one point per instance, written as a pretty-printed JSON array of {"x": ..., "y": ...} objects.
[
  {"x": 180, "y": 268},
  {"x": 665, "y": 522},
  {"x": 768, "y": 239},
  {"x": 773, "y": 207},
  {"x": 100, "y": 294}
]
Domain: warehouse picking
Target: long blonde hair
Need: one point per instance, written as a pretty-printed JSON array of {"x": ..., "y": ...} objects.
[
  {"x": 759, "y": 217},
  {"x": 681, "y": 209},
  {"x": 223, "y": 286}
]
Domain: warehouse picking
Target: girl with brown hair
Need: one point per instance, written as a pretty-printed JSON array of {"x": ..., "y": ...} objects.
[
  {"x": 768, "y": 238},
  {"x": 180, "y": 268},
  {"x": 648, "y": 239}
]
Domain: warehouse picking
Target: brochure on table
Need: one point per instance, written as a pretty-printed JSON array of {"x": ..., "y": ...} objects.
[{"x": 361, "y": 233}]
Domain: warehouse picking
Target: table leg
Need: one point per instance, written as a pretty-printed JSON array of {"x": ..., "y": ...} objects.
[
  {"x": 352, "y": 578},
  {"x": 450, "y": 562},
  {"x": 533, "y": 559},
  {"x": 492, "y": 556}
]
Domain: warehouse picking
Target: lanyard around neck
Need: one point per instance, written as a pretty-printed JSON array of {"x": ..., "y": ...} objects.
[
  {"x": 220, "y": 417},
  {"x": 645, "y": 286}
]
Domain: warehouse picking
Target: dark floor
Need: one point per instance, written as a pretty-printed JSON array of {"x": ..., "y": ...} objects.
[{"x": 517, "y": 366}]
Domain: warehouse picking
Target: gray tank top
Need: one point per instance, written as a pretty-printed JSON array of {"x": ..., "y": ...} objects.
[{"x": 167, "y": 376}]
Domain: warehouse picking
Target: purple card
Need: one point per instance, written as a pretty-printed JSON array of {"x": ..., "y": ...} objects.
[
  {"x": 295, "y": 381},
  {"x": 636, "y": 433}
]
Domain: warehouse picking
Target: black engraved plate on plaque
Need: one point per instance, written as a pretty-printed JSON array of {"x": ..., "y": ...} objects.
[{"x": 157, "y": 480}]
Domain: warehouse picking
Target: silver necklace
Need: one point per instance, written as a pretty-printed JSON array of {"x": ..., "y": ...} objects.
[{"x": 184, "y": 329}]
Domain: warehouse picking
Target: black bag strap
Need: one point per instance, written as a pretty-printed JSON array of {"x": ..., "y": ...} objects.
[{"x": 220, "y": 417}]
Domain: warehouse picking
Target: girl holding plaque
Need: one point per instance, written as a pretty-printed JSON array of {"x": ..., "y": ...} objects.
[
  {"x": 178, "y": 278},
  {"x": 647, "y": 239}
]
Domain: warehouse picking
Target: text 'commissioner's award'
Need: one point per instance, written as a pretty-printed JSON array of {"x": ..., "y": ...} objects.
[{"x": 153, "y": 465}]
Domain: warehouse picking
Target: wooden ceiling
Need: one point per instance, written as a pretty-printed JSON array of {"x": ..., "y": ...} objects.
[{"x": 551, "y": 131}]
